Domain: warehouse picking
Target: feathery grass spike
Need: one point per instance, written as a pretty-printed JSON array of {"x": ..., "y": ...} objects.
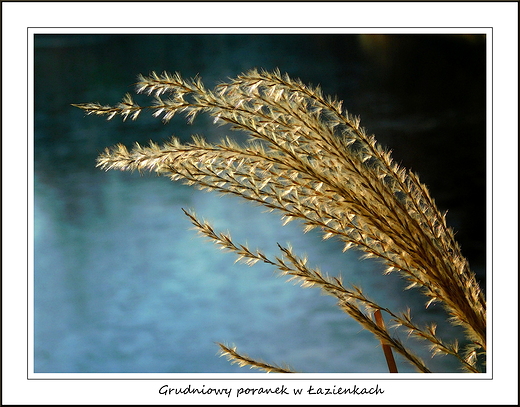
[{"x": 309, "y": 159}]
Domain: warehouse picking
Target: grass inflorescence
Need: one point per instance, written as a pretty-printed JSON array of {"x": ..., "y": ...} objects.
[{"x": 310, "y": 160}]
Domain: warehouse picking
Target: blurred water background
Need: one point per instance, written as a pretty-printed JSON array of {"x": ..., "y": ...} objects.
[{"x": 121, "y": 283}]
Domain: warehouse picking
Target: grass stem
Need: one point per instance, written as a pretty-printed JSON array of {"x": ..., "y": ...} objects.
[{"x": 387, "y": 349}]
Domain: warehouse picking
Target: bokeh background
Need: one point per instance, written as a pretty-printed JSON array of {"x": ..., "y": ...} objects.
[{"x": 121, "y": 283}]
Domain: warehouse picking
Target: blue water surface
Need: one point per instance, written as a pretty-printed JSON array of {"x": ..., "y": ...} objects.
[{"x": 121, "y": 282}]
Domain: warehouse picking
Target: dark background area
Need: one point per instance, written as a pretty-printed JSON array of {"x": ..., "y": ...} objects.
[{"x": 423, "y": 96}]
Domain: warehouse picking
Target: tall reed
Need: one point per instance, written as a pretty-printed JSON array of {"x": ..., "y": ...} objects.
[{"x": 310, "y": 160}]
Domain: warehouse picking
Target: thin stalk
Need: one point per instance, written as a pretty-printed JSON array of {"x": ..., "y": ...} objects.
[{"x": 387, "y": 349}]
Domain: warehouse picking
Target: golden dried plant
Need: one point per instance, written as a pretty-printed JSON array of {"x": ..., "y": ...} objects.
[{"x": 310, "y": 160}]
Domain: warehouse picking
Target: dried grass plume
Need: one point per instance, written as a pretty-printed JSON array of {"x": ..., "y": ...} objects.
[{"x": 310, "y": 160}]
